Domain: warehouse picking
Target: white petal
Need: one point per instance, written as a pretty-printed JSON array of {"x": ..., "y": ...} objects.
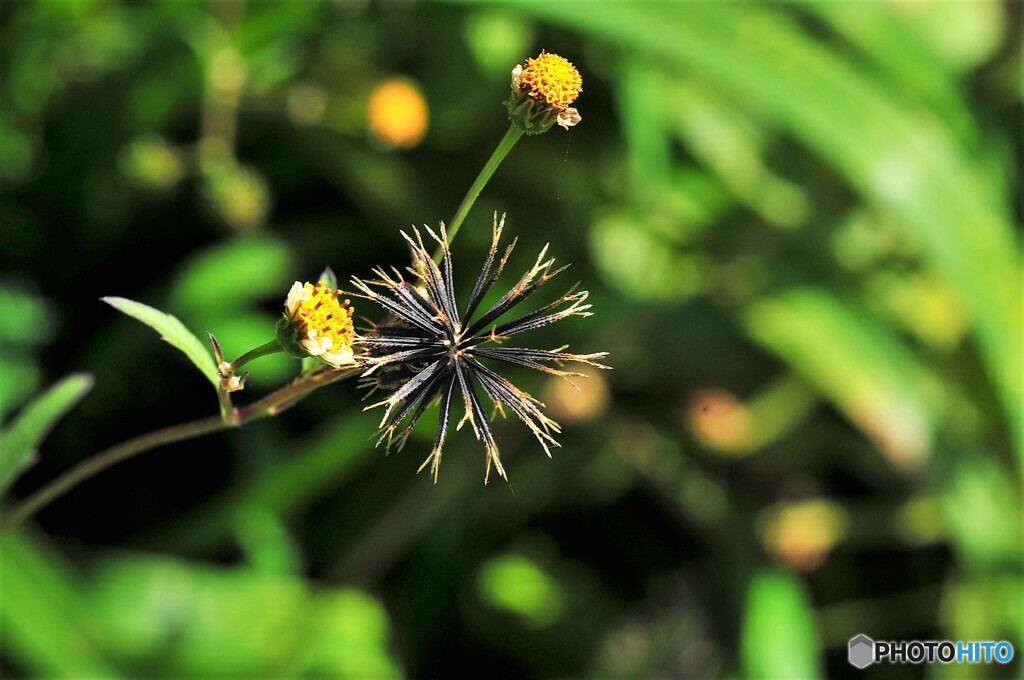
[
  {"x": 338, "y": 358},
  {"x": 298, "y": 293},
  {"x": 315, "y": 346}
]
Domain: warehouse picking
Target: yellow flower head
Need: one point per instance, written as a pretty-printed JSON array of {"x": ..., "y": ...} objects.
[
  {"x": 542, "y": 93},
  {"x": 316, "y": 323},
  {"x": 552, "y": 80},
  {"x": 397, "y": 114}
]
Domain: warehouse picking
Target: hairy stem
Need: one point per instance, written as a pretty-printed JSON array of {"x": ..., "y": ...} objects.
[{"x": 271, "y": 405}]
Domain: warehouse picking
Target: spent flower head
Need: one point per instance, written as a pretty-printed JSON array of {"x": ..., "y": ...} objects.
[
  {"x": 317, "y": 323},
  {"x": 431, "y": 351},
  {"x": 542, "y": 93}
]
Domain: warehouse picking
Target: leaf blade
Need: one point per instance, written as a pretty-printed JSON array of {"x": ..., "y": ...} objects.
[
  {"x": 171, "y": 330},
  {"x": 20, "y": 442}
]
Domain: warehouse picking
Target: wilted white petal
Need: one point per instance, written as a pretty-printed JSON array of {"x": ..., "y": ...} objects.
[
  {"x": 568, "y": 118},
  {"x": 337, "y": 359}
]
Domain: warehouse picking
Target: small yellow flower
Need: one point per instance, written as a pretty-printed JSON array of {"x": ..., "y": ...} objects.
[
  {"x": 542, "y": 92},
  {"x": 397, "y": 114},
  {"x": 316, "y": 323},
  {"x": 552, "y": 80}
]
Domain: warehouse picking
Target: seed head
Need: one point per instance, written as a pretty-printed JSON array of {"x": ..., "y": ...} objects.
[{"x": 432, "y": 352}]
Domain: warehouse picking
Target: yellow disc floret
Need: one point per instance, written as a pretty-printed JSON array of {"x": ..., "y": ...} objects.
[
  {"x": 319, "y": 323},
  {"x": 552, "y": 80}
]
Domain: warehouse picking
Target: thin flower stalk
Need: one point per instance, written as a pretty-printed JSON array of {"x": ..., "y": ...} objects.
[
  {"x": 271, "y": 405},
  {"x": 540, "y": 97}
]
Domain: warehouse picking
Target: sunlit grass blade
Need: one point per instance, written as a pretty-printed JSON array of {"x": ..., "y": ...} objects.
[{"x": 864, "y": 369}]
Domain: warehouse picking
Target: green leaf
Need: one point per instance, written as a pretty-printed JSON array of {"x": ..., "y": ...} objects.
[
  {"x": 172, "y": 330},
  {"x": 779, "y": 631},
  {"x": 19, "y": 443}
]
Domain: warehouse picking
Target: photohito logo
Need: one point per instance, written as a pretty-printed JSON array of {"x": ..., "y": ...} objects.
[{"x": 863, "y": 651}]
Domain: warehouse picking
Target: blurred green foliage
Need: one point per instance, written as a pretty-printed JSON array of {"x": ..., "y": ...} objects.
[
  {"x": 800, "y": 225},
  {"x": 516, "y": 584},
  {"x": 156, "y": 615},
  {"x": 779, "y": 637}
]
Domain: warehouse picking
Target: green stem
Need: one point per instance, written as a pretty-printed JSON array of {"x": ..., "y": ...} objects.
[
  {"x": 504, "y": 146},
  {"x": 271, "y": 405},
  {"x": 271, "y": 347},
  {"x": 103, "y": 460}
]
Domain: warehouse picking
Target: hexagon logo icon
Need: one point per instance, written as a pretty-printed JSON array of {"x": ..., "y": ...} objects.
[{"x": 862, "y": 651}]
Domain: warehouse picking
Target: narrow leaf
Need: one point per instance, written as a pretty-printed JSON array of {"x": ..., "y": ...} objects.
[
  {"x": 19, "y": 443},
  {"x": 172, "y": 330},
  {"x": 865, "y": 369}
]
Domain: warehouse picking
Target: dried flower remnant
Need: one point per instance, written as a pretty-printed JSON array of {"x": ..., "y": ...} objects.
[
  {"x": 542, "y": 92},
  {"x": 317, "y": 324},
  {"x": 432, "y": 350}
]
